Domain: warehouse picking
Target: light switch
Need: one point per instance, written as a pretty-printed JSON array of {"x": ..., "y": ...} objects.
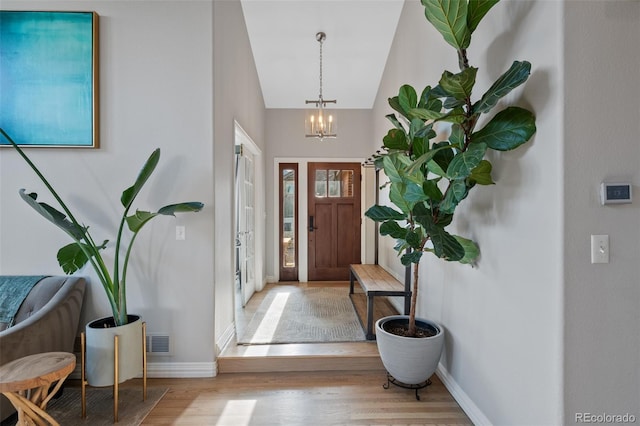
[
  {"x": 180, "y": 233},
  {"x": 599, "y": 249}
]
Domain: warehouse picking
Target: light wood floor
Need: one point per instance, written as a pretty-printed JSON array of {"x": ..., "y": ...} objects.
[
  {"x": 301, "y": 398},
  {"x": 309, "y": 398}
]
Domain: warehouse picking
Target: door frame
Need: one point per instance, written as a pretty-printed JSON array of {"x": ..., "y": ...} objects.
[{"x": 366, "y": 200}]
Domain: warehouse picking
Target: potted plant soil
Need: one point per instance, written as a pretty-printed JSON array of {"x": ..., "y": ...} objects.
[{"x": 429, "y": 177}]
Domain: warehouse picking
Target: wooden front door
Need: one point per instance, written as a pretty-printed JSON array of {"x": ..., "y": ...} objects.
[{"x": 334, "y": 220}]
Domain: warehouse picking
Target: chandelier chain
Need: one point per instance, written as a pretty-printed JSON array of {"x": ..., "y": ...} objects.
[{"x": 321, "y": 70}]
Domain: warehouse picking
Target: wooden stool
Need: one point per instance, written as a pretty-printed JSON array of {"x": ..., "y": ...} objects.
[{"x": 26, "y": 383}]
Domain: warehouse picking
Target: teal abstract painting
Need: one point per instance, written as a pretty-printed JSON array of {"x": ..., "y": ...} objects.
[{"x": 48, "y": 78}]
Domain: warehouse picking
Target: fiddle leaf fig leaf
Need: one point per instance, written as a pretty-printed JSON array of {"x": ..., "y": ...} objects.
[
  {"x": 507, "y": 130},
  {"x": 397, "y": 194},
  {"x": 456, "y": 115},
  {"x": 396, "y": 122},
  {"x": 423, "y": 215},
  {"x": 424, "y": 158},
  {"x": 392, "y": 229},
  {"x": 401, "y": 245},
  {"x": 413, "y": 239},
  {"x": 426, "y": 114},
  {"x": 379, "y": 213},
  {"x": 482, "y": 173},
  {"x": 415, "y": 193},
  {"x": 459, "y": 190},
  {"x": 419, "y": 146},
  {"x": 395, "y": 104},
  {"x": 431, "y": 190},
  {"x": 445, "y": 245},
  {"x": 396, "y": 139},
  {"x": 417, "y": 126},
  {"x": 436, "y": 169},
  {"x": 457, "y": 136},
  {"x": 477, "y": 10},
  {"x": 464, "y": 162},
  {"x": 407, "y": 97},
  {"x": 395, "y": 166},
  {"x": 409, "y": 258},
  {"x": 131, "y": 193},
  {"x": 456, "y": 193},
  {"x": 429, "y": 99},
  {"x": 444, "y": 156},
  {"x": 449, "y": 17},
  {"x": 517, "y": 74},
  {"x": 471, "y": 250},
  {"x": 460, "y": 85}
]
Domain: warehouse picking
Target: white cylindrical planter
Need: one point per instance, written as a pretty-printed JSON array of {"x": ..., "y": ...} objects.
[
  {"x": 409, "y": 360},
  {"x": 100, "y": 350}
]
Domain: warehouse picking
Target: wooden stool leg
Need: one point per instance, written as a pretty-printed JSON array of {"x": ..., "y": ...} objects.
[{"x": 28, "y": 412}]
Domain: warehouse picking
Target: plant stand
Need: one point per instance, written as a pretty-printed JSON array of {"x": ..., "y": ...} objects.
[
  {"x": 116, "y": 372},
  {"x": 417, "y": 387}
]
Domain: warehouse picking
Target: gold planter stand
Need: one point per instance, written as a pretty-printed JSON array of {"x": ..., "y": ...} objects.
[{"x": 115, "y": 372}]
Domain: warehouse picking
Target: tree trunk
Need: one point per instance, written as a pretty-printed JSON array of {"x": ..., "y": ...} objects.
[{"x": 414, "y": 298}]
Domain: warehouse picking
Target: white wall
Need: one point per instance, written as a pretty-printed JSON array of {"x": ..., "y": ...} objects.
[
  {"x": 156, "y": 91},
  {"x": 503, "y": 352},
  {"x": 237, "y": 97},
  {"x": 285, "y": 140},
  {"x": 602, "y": 143}
]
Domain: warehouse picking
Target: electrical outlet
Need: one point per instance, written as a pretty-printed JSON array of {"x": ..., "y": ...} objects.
[
  {"x": 180, "y": 233},
  {"x": 599, "y": 249}
]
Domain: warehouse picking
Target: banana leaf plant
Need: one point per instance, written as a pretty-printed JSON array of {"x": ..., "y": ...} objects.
[
  {"x": 429, "y": 177},
  {"x": 84, "y": 249}
]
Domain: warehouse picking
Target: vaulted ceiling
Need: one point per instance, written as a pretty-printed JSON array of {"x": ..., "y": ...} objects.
[{"x": 282, "y": 34}]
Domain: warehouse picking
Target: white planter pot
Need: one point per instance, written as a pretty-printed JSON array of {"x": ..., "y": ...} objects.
[
  {"x": 100, "y": 351},
  {"x": 409, "y": 360}
]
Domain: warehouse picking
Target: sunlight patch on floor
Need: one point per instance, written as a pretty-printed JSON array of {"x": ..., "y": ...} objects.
[
  {"x": 269, "y": 323},
  {"x": 237, "y": 412}
]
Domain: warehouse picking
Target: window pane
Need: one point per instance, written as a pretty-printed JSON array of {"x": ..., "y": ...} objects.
[
  {"x": 340, "y": 183},
  {"x": 347, "y": 183},
  {"x": 288, "y": 217},
  {"x": 321, "y": 183},
  {"x": 334, "y": 183}
]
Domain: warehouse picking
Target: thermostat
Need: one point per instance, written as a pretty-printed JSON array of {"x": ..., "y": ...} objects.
[{"x": 615, "y": 193}]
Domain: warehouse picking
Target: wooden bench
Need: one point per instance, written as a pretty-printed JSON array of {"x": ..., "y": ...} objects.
[{"x": 376, "y": 281}]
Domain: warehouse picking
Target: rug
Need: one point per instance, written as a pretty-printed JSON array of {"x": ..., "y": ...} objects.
[
  {"x": 67, "y": 409},
  {"x": 304, "y": 315}
]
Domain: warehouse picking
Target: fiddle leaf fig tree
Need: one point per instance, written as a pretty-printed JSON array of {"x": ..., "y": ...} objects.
[
  {"x": 84, "y": 249},
  {"x": 429, "y": 177}
]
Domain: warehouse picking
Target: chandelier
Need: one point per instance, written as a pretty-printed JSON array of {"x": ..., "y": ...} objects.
[{"x": 320, "y": 123}]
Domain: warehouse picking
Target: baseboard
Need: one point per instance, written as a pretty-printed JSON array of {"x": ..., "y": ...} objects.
[
  {"x": 171, "y": 370},
  {"x": 175, "y": 370},
  {"x": 468, "y": 406}
]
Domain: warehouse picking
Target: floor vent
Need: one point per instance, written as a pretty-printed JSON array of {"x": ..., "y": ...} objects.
[{"x": 158, "y": 344}]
